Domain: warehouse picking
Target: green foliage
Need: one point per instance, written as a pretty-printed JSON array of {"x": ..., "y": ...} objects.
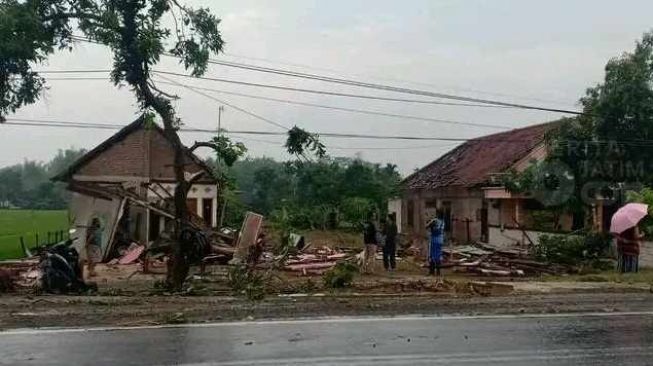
[
  {"x": 28, "y": 185},
  {"x": 645, "y": 195},
  {"x": 572, "y": 249},
  {"x": 227, "y": 150},
  {"x": 605, "y": 146},
  {"x": 281, "y": 222},
  {"x": 133, "y": 30},
  {"x": 315, "y": 194},
  {"x": 340, "y": 276},
  {"x": 300, "y": 141},
  {"x": 355, "y": 209},
  {"x": 247, "y": 281}
]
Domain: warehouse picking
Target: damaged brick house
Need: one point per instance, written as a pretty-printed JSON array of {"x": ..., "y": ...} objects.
[
  {"x": 464, "y": 185},
  {"x": 128, "y": 181}
]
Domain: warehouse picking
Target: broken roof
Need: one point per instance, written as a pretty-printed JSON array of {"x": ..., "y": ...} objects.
[
  {"x": 134, "y": 153},
  {"x": 471, "y": 163}
]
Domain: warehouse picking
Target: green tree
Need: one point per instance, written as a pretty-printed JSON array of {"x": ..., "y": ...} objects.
[
  {"x": 31, "y": 30},
  {"x": 312, "y": 193},
  {"x": 135, "y": 33},
  {"x": 608, "y": 146}
]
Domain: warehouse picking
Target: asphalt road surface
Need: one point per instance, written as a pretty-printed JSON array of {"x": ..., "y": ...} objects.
[{"x": 581, "y": 339}]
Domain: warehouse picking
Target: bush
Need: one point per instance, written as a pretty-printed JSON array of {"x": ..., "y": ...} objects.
[
  {"x": 572, "y": 250},
  {"x": 248, "y": 282},
  {"x": 341, "y": 275}
]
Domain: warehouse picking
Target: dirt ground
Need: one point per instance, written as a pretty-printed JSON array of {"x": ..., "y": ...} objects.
[{"x": 127, "y": 297}]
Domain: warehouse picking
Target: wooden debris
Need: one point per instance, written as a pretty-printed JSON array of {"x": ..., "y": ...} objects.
[{"x": 487, "y": 260}]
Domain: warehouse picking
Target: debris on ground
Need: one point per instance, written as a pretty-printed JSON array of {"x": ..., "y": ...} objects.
[
  {"x": 491, "y": 288},
  {"x": 487, "y": 260},
  {"x": 316, "y": 260},
  {"x": 132, "y": 254},
  {"x": 7, "y": 280}
]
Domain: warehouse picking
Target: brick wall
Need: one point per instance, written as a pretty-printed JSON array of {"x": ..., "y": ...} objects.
[
  {"x": 163, "y": 156},
  {"x": 124, "y": 158},
  {"x": 143, "y": 153}
]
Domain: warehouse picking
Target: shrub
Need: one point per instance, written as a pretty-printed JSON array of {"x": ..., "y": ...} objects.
[
  {"x": 341, "y": 275},
  {"x": 572, "y": 249},
  {"x": 248, "y": 282}
]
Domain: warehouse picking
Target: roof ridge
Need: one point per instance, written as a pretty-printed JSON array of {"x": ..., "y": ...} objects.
[
  {"x": 68, "y": 172},
  {"x": 514, "y": 130},
  {"x": 470, "y": 162}
]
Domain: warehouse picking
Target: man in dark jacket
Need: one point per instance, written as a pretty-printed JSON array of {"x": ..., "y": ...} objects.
[
  {"x": 369, "y": 238},
  {"x": 390, "y": 247}
]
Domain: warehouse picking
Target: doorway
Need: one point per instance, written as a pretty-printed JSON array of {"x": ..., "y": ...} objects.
[
  {"x": 484, "y": 224},
  {"x": 207, "y": 211}
]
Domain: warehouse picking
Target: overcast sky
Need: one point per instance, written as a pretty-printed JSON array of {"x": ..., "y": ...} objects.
[{"x": 532, "y": 52}]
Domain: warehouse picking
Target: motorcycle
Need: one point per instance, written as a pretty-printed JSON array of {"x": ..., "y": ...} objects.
[{"x": 61, "y": 272}]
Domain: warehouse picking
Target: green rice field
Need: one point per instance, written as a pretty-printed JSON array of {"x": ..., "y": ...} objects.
[{"x": 27, "y": 223}]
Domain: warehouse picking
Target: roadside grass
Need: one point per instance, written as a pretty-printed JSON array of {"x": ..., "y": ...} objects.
[
  {"x": 27, "y": 223},
  {"x": 643, "y": 276}
]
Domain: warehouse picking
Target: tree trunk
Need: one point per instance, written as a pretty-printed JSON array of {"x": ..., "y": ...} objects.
[
  {"x": 178, "y": 265},
  {"x": 138, "y": 76}
]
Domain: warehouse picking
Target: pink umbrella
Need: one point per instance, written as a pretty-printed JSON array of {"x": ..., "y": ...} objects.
[{"x": 627, "y": 217}]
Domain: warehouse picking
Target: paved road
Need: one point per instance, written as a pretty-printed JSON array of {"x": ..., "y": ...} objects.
[{"x": 589, "y": 339}]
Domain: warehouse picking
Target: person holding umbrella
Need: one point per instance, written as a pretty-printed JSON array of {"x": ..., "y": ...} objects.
[{"x": 624, "y": 226}]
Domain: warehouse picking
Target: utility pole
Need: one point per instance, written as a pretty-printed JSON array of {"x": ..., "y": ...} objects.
[
  {"x": 220, "y": 200},
  {"x": 220, "y": 110}
]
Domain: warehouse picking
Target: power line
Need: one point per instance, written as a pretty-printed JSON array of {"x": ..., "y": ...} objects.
[
  {"x": 266, "y": 120},
  {"x": 91, "y": 71},
  {"x": 286, "y": 88},
  {"x": 331, "y": 147},
  {"x": 85, "y": 39},
  {"x": 492, "y": 138},
  {"x": 382, "y": 86},
  {"x": 86, "y": 125},
  {"x": 356, "y": 83},
  {"x": 353, "y": 110},
  {"x": 335, "y": 71}
]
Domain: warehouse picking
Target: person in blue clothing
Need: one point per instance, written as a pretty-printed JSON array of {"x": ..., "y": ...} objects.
[{"x": 436, "y": 230}]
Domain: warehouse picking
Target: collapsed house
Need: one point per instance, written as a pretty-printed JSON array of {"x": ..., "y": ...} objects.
[
  {"x": 465, "y": 185},
  {"x": 128, "y": 182}
]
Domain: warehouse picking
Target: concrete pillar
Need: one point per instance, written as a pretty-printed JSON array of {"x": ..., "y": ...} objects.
[
  {"x": 214, "y": 212},
  {"x": 416, "y": 214},
  {"x": 147, "y": 227}
]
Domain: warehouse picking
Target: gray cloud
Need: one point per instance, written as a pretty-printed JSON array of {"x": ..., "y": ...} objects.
[{"x": 520, "y": 51}]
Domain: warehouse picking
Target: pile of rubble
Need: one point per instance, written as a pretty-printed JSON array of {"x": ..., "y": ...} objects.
[
  {"x": 316, "y": 261},
  {"x": 487, "y": 260}
]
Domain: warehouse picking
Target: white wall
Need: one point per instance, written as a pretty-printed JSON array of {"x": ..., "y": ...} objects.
[
  {"x": 508, "y": 237},
  {"x": 198, "y": 191},
  {"x": 84, "y": 208},
  {"x": 646, "y": 255},
  {"x": 394, "y": 206}
]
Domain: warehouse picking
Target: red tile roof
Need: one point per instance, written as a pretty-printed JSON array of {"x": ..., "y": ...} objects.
[{"x": 471, "y": 163}]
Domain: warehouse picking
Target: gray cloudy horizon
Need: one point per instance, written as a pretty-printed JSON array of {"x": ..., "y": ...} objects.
[{"x": 530, "y": 52}]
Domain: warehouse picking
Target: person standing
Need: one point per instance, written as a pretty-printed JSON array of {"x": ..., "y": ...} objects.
[
  {"x": 628, "y": 246},
  {"x": 436, "y": 230},
  {"x": 93, "y": 246},
  {"x": 370, "y": 240},
  {"x": 390, "y": 247}
]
